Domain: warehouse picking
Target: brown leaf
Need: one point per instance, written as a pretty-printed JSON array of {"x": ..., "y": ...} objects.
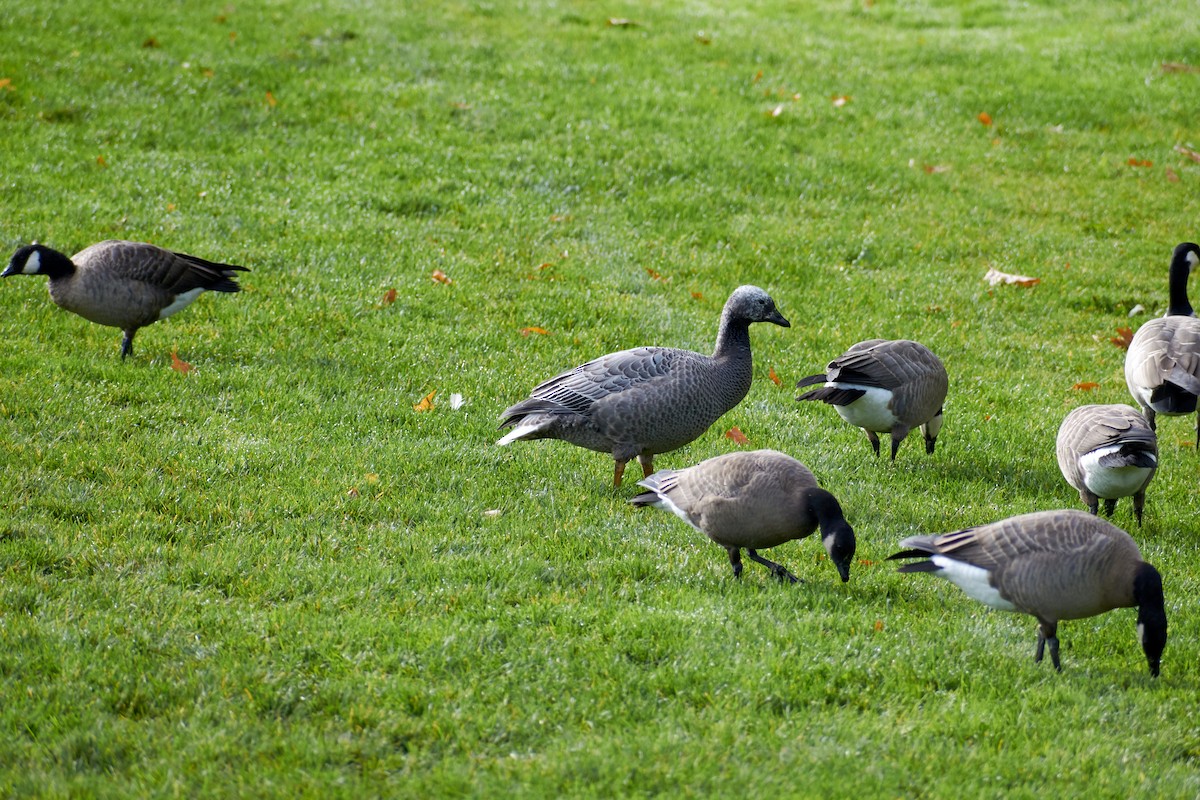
[
  {"x": 655, "y": 275},
  {"x": 1139, "y": 162},
  {"x": 271, "y": 101},
  {"x": 426, "y": 403},
  {"x": 736, "y": 434},
  {"x": 389, "y": 297},
  {"x": 352, "y": 491},
  {"x": 697, "y": 296},
  {"x": 985, "y": 119},
  {"x": 839, "y": 100},
  {"x": 1174, "y": 66},
  {"x": 1171, "y": 176},
  {"x": 774, "y": 377},
  {"x": 878, "y": 626},
  {"x": 995, "y": 276},
  {"x": 441, "y": 277},
  {"x": 534, "y": 329},
  {"x": 150, "y": 43},
  {"x": 1123, "y": 338},
  {"x": 757, "y": 77},
  {"x": 1085, "y": 386},
  {"x": 101, "y": 161},
  {"x": 934, "y": 169},
  {"x": 703, "y": 38},
  {"x": 1187, "y": 151},
  {"x": 179, "y": 365}
]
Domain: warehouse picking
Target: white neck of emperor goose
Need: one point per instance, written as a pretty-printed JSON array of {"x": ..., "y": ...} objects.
[{"x": 1187, "y": 256}]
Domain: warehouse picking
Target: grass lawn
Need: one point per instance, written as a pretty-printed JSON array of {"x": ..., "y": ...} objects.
[{"x": 274, "y": 575}]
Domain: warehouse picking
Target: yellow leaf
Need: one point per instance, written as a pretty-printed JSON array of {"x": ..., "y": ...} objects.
[
  {"x": 985, "y": 119},
  {"x": 1085, "y": 386},
  {"x": 426, "y": 403},
  {"x": 774, "y": 377},
  {"x": 271, "y": 101},
  {"x": 441, "y": 277},
  {"x": 534, "y": 329}
]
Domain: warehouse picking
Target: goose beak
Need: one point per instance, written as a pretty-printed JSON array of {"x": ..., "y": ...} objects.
[
  {"x": 11, "y": 269},
  {"x": 778, "y": 319}
]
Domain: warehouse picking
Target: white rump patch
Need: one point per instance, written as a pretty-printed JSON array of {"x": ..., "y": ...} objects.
[
  {"x": 520, "y": 432},
  {"x": 32, "y": 264},
  {"x": 972, "y": 580},
  {"x": 664, "y": 501},
  {"x": 182, "y": 301},
  {"x": 1111, "y": 482},
  {"x": 871, "y": 411}
]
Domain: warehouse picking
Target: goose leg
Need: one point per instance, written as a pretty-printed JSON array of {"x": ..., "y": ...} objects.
[
  {"x": 618, "y": 473},
  {"x": 929, "y": 443},
  {"x": 647, "y": 463},
  {"x": 896, "y": 440},
  {"x": 874, "y": 442},
  {"x": 735, "y": 558},
  {"x": 1048, "y": 632},
  {"x": 1139, "y": 502},
  {"x": 1110, "y": 505},
  {"x": 778, "y": 570},
  {"x": 127, "y": 342}
]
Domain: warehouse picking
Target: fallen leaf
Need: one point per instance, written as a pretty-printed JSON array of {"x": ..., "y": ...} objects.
[
  {"x": 621, "y": 22},
  {"x": 352, "y": 491},
  {"x": 100, "y": 160},
  {"x": 697, "y": 296},
  {"x": 934, "y": 169},
  {"x": 493, "y": 512},
  {"x": 389, "y": 297},
  {"x": 1139, "y": 162},
  {"x": 6, "y": 83},
  {"x": 1174, "y": 66},
  {"x": 995, "y": 276},
  {"x": 150, "y": 43},
  {"x": 839, "y": 100},
  {"x": 232, "y": 35},
  {"x": 736, "y": 434},
  {"x": 456, "y": 401},
  {"x": 703, "y": 38},
  {"x": 655, "y": 275},
  {"x": 534, "y": 329},
  {"x": 878, "y": 625},
  {"x": 179, "y": 365},
  {"x": 1085, "y": 386},
  {"x": 774, "y": 377},
  {"x": 441, "y": 277},
  {"x": 372, "y": 477},
  {"x": 560, "y": 217},
  {"x": 171, "y": 207},
  {"x": 985, "y": 119},
  {"x": 271, "y": 101},
  {"x": 1123, "y": 338},
  {"x": 426, "y": 403},
  {"x": 1187, "y": 151},
  {"x": 866, "y": 562},
  {"x": 757, "y": 77},
  {"x": 1171, "y": 176}
]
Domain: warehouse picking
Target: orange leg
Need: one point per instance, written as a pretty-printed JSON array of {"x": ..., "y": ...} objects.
[
  {"x": 618, "y": 473},
  {"x": 647, "y": 463}
]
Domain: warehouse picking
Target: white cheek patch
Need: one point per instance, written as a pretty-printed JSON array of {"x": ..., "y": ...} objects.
[
  {"x": 32, "y": 264},
  {"x": 1192, "y": 259},
  {"x": 972, "y": 580},
  {"x": 182, "y": 301}
]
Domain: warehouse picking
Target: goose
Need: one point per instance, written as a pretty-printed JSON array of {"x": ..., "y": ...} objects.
[
  {"x": 649, "y": 400},
  {"x": 126, "y": 285},
  {"x": 1107, "y": 451},
  {"x": 753, "y": 499},
  {"x": 883, "y": 385},
  {"x": 1162, "y": 365},
  {"x": 1053, "y": 565}
]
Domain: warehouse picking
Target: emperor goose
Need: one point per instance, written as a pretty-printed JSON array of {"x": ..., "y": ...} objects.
[
  {"x": 649, "y": 400},
  {"x": 1053, "y": 565},
  {"x": 1162, "y": 366},
  {"x": 126, "y": 285},
  {"x": 885, "y": 386},
  {"x": 1107, "y": 451},
  {"x": 753, "y": 500}
]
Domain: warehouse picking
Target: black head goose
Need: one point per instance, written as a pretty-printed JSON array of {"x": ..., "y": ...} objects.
[
  {"x": 883, "y": 386},
  {"x": 126, "y": 285},
  {"x": 1162, "y": 366},
  {"x": 1053, "y": 565},
  {"x": 753, "y": 500},
  {"x": 1107, "y": 451},
  {"x": 649, "y": 400}
]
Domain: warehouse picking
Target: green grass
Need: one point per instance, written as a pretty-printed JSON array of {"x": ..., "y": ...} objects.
[{"x": 273, "y": 577}]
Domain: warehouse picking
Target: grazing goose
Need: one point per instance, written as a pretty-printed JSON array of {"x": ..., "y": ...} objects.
[
  {"x": 636, "y": 403},
  {"x": 885, "y": 386},
  {"x": 126, "y": 285},
  {"x": 754, "y": 499},
  {"x": 1054, "y": 565},
  {"x": 1107, "y": 452},
  {"x": 1162, "y": 366}
]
